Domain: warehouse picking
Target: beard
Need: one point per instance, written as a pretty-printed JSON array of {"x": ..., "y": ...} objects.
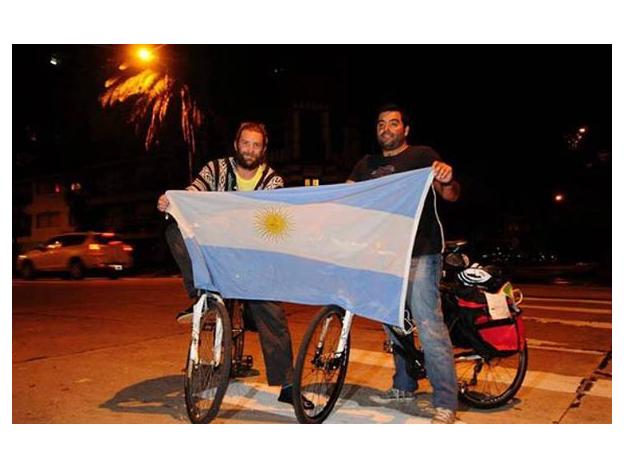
[
  {"x": 248, "y": 163},
  {"x": 393, "y": 142}
]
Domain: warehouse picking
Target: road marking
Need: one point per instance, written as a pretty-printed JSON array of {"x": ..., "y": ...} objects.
[
  {"x": 557, "y": 346},
  {"x": 534, "y": 379},
  {"x": 562, "y": 383},
  {"x": 568, "y": 309},
  {"x": 553, "y": 299},
  {"x": 573, "y": 323},
  {"x": 258, "y": 402},
  {"x": 601, "y": 388}
]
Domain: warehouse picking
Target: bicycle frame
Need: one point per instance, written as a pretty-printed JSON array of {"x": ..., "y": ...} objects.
[
  {"x": 197, "y": 313},
  {"x": 344, "y": 333}
]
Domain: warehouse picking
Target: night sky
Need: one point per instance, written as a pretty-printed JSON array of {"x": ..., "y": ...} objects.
[{"x": 498, "y": 114}]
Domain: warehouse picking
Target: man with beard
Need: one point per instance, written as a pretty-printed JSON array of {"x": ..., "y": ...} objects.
[
  {"x": 246, "y": 171},
  {"x": 423, "y": 297}
]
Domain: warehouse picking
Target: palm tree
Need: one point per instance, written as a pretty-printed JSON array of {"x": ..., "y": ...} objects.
[{"x": 151, "y": 93}]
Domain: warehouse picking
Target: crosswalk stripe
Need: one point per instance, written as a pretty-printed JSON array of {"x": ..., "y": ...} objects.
[
  {"x": 537, "y": 344},
  {"x": 540, "y": 380},
  {"x": 573, "y": 323}
]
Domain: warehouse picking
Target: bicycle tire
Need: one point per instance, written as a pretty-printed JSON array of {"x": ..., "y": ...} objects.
[
  {"x": 206, "y": 382},
  {"x": 490, "y": 383},
  {"x": 321, "y": 365}
]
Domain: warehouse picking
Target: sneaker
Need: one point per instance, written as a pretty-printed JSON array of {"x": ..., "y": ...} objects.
[
  {"x": 443, "y": 416},
  {"x": 186, "y": 316},
  {"x": 286, "y": 396},
  {"x": 392, "y": 395}
]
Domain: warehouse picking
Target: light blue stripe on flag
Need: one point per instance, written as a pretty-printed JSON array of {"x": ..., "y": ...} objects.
[
  {"x": 371, "y": 194},
  {"x": 351, "y": 287},
  {"x": 344, "y": 244}
]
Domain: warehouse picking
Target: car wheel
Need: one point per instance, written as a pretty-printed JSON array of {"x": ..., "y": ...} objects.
[
  {"x": 76, "y": 269},
  {"x": 27, "y": 271}
]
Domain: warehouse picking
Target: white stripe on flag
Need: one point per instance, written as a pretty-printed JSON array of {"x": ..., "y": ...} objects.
[{"x": 317, "y": 231}]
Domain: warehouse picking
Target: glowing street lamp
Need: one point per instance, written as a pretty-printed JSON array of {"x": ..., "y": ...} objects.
[
  {"x": 145, "y": 54},
  {"x": 151, "y": 87}
]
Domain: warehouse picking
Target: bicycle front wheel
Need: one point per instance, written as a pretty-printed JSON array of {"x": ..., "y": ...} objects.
[
  {"x": 320, "y": 369},
  {"x": 207, "y": 376},
  {"x": 490, "y": 383}
]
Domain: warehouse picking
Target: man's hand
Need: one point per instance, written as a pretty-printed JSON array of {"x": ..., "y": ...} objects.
[
  {"x": 443, "y": 181},
  {"x": 163, "y": 202},
  {"x": 443, "y": 173}
]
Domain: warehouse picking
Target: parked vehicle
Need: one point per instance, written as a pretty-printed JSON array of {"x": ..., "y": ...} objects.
[{"x": 76, "y": 253}]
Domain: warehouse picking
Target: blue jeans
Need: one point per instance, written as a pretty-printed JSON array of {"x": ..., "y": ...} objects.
[{"x": 423, "y": 299}]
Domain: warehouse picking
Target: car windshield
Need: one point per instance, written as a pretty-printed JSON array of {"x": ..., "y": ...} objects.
[{"x": 53, "y": 241}]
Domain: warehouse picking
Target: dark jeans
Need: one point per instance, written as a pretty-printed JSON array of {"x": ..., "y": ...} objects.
[{"x": 269, "y": 317}]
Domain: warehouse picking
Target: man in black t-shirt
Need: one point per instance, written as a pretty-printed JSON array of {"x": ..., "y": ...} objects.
[{"x": 423, "y": 297}]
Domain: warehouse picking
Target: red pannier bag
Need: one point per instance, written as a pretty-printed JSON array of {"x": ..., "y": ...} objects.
[{"x": 489, "y": 336}]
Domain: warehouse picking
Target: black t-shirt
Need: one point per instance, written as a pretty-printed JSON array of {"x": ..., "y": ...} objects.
[{"x": 429, "y": 235}]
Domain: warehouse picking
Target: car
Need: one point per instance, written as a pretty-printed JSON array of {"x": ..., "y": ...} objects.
[{"x": 76, "y": 253}]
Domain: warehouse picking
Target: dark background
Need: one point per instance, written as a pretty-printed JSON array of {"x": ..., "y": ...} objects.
[{"x": 500, "y": 115}]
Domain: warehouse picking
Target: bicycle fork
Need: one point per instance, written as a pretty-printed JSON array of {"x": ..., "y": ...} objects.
[
  {"x": 344, "y": 333},
  {"x": 342, "y": 341},
  {"x": 197, "y": 317}
]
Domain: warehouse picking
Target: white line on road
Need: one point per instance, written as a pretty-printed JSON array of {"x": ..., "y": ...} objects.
[
  {"x": 573, "y": 323},
  {"x": 534, "y": 379},
  {"x": 536, "y": 344},
  {"x": 563, "y": 383}
]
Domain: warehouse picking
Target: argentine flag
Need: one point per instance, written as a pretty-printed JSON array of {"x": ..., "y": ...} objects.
[{"x": 344, "y": 244}]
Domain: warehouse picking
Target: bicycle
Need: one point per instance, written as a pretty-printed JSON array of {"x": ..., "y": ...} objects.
[
  {"x": 215, "y": 355},
  {"x": 485, "y": 380}
]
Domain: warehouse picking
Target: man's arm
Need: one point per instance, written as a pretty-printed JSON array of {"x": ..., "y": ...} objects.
[
  {"x": 443, "y": 181},
  {"x": 358, "y": 170},
  {"x": 204, "y": 182},
  {"x": 201, "y": 183}
]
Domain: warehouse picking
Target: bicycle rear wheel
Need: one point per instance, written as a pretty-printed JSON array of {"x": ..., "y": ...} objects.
[
  {"x": 207, "y": 378},
  {"x": 490, "y": 383},
  {"x": 320, "y": 370}
]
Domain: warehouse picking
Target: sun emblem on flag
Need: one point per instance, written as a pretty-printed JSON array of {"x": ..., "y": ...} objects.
[{"x": 273, "y": 223}]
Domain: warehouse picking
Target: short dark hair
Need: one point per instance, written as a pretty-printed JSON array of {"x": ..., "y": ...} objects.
[
  {"x": 392, "y": 107},
  {"x": 255, "y": 127}
]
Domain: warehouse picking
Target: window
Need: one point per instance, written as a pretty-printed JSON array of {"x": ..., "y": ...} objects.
[
  {"x": 54, "y": 243},
  {"x": 49, "y": 219},
  {"x": 74, "y": 239},
  {"x": 107, "y": 239}
]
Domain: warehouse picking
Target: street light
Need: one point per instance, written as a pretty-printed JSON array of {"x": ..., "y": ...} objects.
[
  {"x": 145, "y": 54},
  {"x": 139, "y": 56}
]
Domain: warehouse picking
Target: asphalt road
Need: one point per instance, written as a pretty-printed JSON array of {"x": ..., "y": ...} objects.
[{"x": 101, "y": 351}]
